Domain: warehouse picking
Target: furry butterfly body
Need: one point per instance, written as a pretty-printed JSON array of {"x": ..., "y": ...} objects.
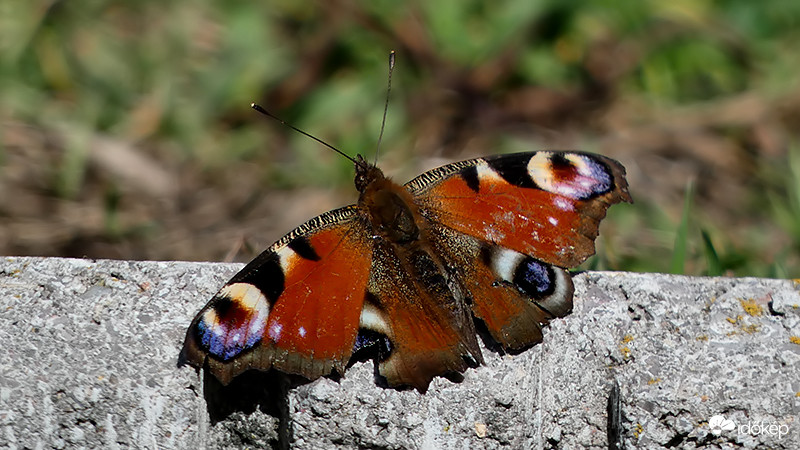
[{"x": 404, "y": 275}]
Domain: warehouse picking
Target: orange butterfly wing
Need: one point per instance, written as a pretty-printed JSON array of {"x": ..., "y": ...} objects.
[
  {"x": 511, "y": 223},
  {"x": 428, "y": 329},
  {"x": 545, "y": 204},
  {"x": 296, "y": 307},
  {"x": 513, "y": 294}
]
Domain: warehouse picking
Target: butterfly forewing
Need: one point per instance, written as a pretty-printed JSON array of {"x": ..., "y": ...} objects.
[
  {"x": 296, "y": 307},
  {"x": 544, "y": 204}
]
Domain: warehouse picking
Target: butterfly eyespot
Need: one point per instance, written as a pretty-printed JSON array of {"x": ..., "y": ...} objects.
[
  {"x": 234, "y": 322},
  {"x": 534, "y": 278},
  {"x": 572, "y": 175},
  {"x": 530, "y": 276},
  {"x": 370, "y": 344}
]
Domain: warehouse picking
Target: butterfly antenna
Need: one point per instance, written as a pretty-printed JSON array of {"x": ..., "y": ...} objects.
[
  {"x": 263, "y": 111},
  {"x": 385, "y": 105}
]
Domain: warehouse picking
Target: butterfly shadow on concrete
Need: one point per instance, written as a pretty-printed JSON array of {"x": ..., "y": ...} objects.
[
  {"x": 267, "y": 391},
  {"x": 253, "y": 390}
]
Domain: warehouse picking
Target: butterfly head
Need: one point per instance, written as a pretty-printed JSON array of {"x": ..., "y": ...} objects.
[{"x": 366, "y": 174}]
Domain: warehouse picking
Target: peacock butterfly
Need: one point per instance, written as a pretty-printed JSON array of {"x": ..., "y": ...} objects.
[{"x": 405, "y": 274}]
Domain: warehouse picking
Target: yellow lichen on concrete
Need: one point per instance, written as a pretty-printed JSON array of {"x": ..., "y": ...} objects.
[
  {"x": 623, "y": 348},
  {"x": 751, "y": 307},
  {"x": 751, "y": 329}
]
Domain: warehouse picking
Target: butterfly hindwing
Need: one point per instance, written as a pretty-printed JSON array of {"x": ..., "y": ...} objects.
[
  {"x": 296, "y": 307},
  {"x": 513, "y": 294},
  {"x": 414, "y": 304}
]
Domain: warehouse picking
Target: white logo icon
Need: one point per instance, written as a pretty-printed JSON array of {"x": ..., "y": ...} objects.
[{"x": 719, "y": 423}]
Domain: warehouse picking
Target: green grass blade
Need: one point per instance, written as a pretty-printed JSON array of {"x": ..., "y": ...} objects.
[
  {"x": 712, "y": 258},
  {"x": 679, "y": 251}
]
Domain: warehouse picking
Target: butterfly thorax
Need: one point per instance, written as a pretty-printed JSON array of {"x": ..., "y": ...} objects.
[{"x": 389, "y": 206}]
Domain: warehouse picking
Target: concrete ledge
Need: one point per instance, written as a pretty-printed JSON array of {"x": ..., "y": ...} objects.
[{"x": 88, "y": 353}]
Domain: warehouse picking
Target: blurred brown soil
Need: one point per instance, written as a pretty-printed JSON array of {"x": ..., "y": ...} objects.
[{"x": 136, "y": 203}]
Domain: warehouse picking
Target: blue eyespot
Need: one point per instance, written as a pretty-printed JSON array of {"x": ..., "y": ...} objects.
[{"x": 534, "y": 278}]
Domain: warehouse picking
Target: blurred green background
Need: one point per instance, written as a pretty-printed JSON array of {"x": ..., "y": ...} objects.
[{"x": 126, "y": 132}]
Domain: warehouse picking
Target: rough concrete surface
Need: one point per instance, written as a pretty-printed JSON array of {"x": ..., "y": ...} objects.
[{"x": 89, "y": 350}]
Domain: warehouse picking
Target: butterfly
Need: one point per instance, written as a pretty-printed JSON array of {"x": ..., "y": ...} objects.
[{"x": 408, "y": 274}]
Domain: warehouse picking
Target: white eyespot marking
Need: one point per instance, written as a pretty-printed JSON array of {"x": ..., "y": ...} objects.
[
  {"x": 560, "y": 301},
  {"x": 301, "y": 332},
  {"x": 541, "y": 171},
  {"x": 486, "y": 173},
  {"x": 371, "y": 319},
  {"x": 257, "y": 325},
  {"x": 563, "y": 204},
  {"x": 585, "y": 166},
  {"x": 561, "y": 283},
  {"x": 504, "y": 262},
  {"x": 275, "y": 331},
  {"x": 579, "y": 161},
  {"x": 288, "y": 258},
  {"x": 247, "y": 297},
  {"x": 553, "y": 221},
  {"x": 211, "y": 319},
  {"x": 235, "y": 321}
]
